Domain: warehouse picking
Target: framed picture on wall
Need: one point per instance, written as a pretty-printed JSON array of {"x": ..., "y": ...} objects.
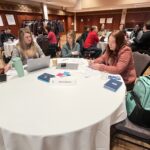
[
  {"x": 10, "y": 19},
  {"x": 109, "y": 20},
  {"x": 1, "y": 21},
  {"x": 102, "y": 20}
]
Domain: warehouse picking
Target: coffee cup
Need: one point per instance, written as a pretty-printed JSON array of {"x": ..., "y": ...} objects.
[{"x": 54, "y": 61}]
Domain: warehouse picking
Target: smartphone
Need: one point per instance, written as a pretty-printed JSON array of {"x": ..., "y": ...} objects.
[{"x": 63, "y": 65}]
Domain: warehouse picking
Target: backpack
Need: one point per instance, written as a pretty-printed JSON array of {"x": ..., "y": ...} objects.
[{"x": 138, "y": 102}]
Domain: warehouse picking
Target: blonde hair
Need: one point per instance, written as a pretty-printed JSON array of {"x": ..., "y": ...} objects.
[
  {"x": 72, "y": 34},
  {"x": 26, "y": 50}
]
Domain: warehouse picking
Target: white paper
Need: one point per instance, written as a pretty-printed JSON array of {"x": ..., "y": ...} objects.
[
  {"x": 109, "y": 20},
  {"x": 102, "y": 20},
  {"x": 63, "y": 81},
  {"x": 1, "y": 21},
  {"x": 10, "y": 19}
]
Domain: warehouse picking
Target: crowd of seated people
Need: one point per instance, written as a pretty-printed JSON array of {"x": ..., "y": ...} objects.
[
  {"x": 112, "y": 60},
  {"x": 142, "y": 44}
]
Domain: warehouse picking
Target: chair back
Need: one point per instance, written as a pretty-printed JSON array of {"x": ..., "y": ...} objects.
[
  {"x": 44, "y": 44},
  {"x": 142, "y": 62}
]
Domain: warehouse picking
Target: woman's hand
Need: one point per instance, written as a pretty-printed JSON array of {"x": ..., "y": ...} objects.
[
  {"x": 90, "y": 62},
  {"x": 94, "y": 66},
  {"x": 75, "y": 53},
  {"x": 97, "y": 66},
  {"x": 7, "y": 67}
]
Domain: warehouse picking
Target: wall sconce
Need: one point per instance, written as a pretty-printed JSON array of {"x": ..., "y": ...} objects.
[
  {"x": 81, "y": 20},
  {"x": 72, "y": 23},
  {"x": 88, "y": 19},
  {"x": 63, "y": 20}
]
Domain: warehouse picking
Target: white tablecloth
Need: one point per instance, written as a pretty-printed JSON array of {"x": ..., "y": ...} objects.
[{"x": 35, "y": 115}]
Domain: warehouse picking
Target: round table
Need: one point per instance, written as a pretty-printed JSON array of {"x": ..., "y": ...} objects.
[{"x": 35, "y": 115}]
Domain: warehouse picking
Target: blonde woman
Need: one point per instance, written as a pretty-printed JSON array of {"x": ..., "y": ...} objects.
[
  {"x": 26, "y": 48},
  {"x": 71, "y": 48}
]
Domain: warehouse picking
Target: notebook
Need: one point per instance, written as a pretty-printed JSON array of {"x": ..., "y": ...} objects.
[
  {"x": 113, "y": 85},
  {"x": 45, "y": 77},
  {"x": 38, "y": 63},
  {"x": 72, "y": 66}
]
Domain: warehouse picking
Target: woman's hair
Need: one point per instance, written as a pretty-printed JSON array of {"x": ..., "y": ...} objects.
[
  {"x": 86, "y": 28},
  {"x": 72, "y": 34},
  {"x": 120, "y": 41},
  {"x": 147, "y": 24},
  {"x": 93, "y": 28},
  {"x": 50, "y": 28},
  {"x": 23, "y": 47}
]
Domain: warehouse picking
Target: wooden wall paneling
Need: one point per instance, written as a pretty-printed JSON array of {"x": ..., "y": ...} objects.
[
  {"x": 70, "y": 20},
  {"x": 28, "y": 16},
  {"x": 14, "y": 28},
  {"x": 137, "y": 16},
  {"x": 95, "y": 20}
]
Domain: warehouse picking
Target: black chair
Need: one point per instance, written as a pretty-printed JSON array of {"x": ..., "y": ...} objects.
[
  {"x": 126, "y": 129},
  {"x": 129, "y": 136},
  {"x": 91, "y": 53},
  {"x": 48, "y": 49}
]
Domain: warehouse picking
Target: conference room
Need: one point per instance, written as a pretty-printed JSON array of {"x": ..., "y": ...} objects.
[{"x": 74, "y": 75}]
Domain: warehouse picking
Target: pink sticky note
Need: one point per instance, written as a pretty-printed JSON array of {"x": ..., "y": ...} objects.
[{"x": 60, "y": 74}]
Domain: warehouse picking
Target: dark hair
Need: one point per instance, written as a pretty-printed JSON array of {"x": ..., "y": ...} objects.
[
  {"x": 72, "y": 34},
  {"x": 93, "y": 28},
  {"x": 50, "y": 28},
  {"x": 85, "y": 28},
  {"x": 147, "y": 25},
  {"x": 40, "y": 30},
  {"x": 120, "y": 41}
]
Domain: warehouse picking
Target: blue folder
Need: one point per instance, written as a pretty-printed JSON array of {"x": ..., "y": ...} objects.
[
  {"x": 113, "y": 85},
  {"x": 45, "y": 77}
]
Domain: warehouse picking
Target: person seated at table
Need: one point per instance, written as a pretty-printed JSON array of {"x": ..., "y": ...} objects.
[
  {"x": 122, "y": 28},
  {"x": 53, "y": 43},
  {"x": 26, "y": 48},
  {"x": 143, "y": 44},
  {"x": 117, "y": 59},
  {"x": 81, "y": 39},
  {"x": 91, "y": 41},
  {"x": 136, "y": 33},
  {"x": 71, "y": 48},
  {"x": 6, "y": 35}
]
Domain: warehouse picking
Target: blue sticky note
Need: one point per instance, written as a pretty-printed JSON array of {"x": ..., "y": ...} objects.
[{"x": 67, "y": 73}]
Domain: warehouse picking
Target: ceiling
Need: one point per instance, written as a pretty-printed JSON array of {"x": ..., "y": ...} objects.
[{"x": 85, "y": 5}]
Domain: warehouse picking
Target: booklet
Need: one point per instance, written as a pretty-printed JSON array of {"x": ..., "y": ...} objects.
[
  {"x": 45, "y": 77},
  {"x": 113, "y": 85}
]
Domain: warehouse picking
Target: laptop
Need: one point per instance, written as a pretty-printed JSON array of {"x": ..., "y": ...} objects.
[
  {"x": 71, "y": 66},
  {"x": 38, "y": 63}
]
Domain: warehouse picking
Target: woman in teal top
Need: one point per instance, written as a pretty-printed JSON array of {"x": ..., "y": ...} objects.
[{"x": 71, "y": 48}]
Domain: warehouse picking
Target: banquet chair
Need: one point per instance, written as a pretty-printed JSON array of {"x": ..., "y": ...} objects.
[
  {"x": 142, "y": 62},
  {"x": 128, "y": 135}
]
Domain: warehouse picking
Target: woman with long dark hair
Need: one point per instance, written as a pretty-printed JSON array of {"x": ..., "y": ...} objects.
[{"x": 117, "y": 58}]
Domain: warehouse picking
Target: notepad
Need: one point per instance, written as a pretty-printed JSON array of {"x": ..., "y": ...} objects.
[
  {"x": 45, "y": 77},
  {"x": 113, "y": 85}
]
